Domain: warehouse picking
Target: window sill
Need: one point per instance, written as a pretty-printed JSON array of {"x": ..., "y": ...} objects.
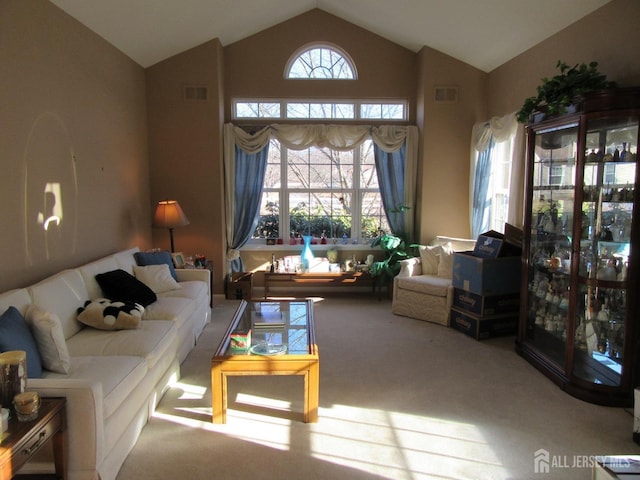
[{"x": 359, "y": 247}]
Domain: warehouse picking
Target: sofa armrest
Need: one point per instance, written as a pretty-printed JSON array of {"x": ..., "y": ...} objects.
[
  {"x": 84, "y": 417},
  {"x": 410, "y": 267},
  {"x": 194, "y": 274}
]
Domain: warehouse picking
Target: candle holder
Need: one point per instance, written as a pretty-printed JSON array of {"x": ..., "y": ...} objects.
[{"x": 13, "y": 375}]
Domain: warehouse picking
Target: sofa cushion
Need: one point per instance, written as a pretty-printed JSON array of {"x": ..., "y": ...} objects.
[
  {"x": 445, "y": 262},
  {"x": 156, "y": 258},
  {"x": 157, "y": 277},
  {"x": 429, "y": 258},
  {"x": 18, "y": 298},
  {"x": 193, "y": 290},
  {"x": 153, "y": 341},
  {"x": 427, "y": 284},
  {"x": 62, "y": 294},
  {"x": 104, "y": 314},
  {"x": 16, "y": 335},
  {"x": 119, "y": 376},
  {"x": 176, "y": 309},
  {"x": 89, "y": 272},
  {"x": 124, "y": 287},
  {"x": 47, "y": 330}
]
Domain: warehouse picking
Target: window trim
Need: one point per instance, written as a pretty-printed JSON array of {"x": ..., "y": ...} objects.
[
  {"x": 357, "y": 106},
  {"x": 315, "y": 45}
]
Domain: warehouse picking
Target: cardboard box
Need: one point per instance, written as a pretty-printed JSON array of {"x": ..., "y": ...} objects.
[
  {"x": 487, "y": 246},
  {"x": 486, "y": 304},
  {"x": 486, "y": 276},
  {"x": 481, "y": 327}
]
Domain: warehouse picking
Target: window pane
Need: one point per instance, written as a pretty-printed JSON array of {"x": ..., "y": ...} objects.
[
  {"x": 387, "y": 111},
  {"x": 257, "y": 110},
  {"x": 320, "y": 213},
  {"x": 373, "y": 218},
  {"x": 368, "y": 175},
  {"x": 269, "y": 221},
  {"x": 320, "y": 63}
]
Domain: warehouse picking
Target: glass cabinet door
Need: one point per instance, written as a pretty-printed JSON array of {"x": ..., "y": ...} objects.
[
  {"x": 551, "y": 223},
  {"x": 609, "y": 177}
]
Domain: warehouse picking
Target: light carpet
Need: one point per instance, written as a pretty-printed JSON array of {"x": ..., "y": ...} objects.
[{"x": 399, "y": 399}]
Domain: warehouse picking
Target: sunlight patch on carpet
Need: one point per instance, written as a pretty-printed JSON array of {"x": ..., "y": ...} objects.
[{"x": 398, "y": 445}]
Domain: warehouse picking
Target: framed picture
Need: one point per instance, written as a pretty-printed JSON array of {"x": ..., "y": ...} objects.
[{"x": 178, "y": 259}]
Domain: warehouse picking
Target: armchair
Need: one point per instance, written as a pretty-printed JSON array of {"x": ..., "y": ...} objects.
[{"x": 423, "y": 289}]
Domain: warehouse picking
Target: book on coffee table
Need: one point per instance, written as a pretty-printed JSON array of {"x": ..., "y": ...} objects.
[{"x": 271, "y": 320}]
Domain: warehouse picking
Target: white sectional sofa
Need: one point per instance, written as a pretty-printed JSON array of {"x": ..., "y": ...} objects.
[
  {"x": 423, "y": 289},
  {"x": 116, "y": 377}
]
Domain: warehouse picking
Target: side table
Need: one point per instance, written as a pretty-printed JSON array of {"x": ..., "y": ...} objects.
[{"x": 23, "y": 439}]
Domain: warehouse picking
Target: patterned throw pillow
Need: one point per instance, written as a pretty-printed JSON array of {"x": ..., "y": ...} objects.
[{"x": 104, "y": 314}]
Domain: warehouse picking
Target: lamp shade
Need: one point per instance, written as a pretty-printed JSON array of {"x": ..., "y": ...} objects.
[{"x": 169, "y": 215}]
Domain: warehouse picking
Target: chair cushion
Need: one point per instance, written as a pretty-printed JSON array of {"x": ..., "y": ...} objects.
[
  {"x": 445, "y": 262},
  {"x": 427, "y": 284},
  {"x": 429, "y": 258}
]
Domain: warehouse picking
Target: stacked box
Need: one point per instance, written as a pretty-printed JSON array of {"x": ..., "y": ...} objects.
[
  {"x": 483, "y": 326},
  {"x": 486, "y": 300},
  {"x": 486, "y": 304}
]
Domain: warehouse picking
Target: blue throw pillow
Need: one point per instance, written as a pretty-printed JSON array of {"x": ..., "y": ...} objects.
[
  {"x": 156, "y": 258},
  {"x": 15, "y": 334}
]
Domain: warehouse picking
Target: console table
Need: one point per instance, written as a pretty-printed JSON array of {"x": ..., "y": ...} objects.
[
  {"x": 23, "y": 439},
  {"x": 329, "y": 279}
]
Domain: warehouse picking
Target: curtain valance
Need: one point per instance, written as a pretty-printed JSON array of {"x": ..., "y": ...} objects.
[{"x": 337, "y": 137}]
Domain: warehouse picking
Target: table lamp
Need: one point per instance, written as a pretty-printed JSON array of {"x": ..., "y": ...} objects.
[{"x": 169, "y": 215}]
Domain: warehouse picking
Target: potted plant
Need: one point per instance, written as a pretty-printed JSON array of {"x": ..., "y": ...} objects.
[
  {"x": 557, "y": 94},
  {"x": 396, "y": 247}
]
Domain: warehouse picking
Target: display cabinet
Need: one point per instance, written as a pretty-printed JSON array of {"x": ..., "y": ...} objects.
[{"x": 581, "y": 256}]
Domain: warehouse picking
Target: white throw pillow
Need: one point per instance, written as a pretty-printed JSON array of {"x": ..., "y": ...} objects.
[
  {"x": 429, "y": 258},
  {"x": 47, "y": 330},
  {"x": 157, "y": 277},
  {"x": 445, "y": 266}
]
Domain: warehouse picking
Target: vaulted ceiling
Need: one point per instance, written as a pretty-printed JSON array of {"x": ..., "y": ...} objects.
[{"x": 482, "y": 33}]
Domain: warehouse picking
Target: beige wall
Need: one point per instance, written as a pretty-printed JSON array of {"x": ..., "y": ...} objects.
[
  {"x": 254, "y": 67},
  {"x": 443, "y": 180},
  {"x": 73, "y": 118},
  {"x": 185, "y": 150},
  {"x": 609, "y": 36}
]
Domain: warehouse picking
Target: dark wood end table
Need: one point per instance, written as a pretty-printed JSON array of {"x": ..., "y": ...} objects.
[{"x": 23, "y": 439}]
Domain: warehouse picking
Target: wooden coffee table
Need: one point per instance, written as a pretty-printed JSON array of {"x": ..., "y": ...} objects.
[{"x": 282, "y": 343}]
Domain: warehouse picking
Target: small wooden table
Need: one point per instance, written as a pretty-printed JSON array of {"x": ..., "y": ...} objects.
[
  {"x": 284, "y": 326},
  {"x": 23, "y": 439},
  {"x": 312, "y": 279}
]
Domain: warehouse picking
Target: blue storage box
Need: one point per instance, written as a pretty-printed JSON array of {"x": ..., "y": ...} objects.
[
  {"x": 486, "y": 304},
  {"x": 486, "y": 276}
]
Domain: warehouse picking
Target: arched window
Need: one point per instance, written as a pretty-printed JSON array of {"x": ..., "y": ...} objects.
[{"x": 320, "y": 62}]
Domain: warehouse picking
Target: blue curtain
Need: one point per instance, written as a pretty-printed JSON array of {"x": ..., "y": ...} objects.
[
  {"x": 482, "y": 204},
  {"x": 249, "y": 180},
  {"x": 390, "y": 168}
]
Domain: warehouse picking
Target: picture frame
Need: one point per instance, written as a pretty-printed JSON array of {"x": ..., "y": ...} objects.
[{"x": 178, "y": 259}]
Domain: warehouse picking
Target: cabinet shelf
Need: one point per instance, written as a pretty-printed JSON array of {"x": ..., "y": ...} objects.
[{"x": 581, "y": 268}]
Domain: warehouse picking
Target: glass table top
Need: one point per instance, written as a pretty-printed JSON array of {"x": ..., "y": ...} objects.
[{"x": 270, "y": 328}]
